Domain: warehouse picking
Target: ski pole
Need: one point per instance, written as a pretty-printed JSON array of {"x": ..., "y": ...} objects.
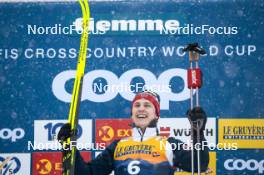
[
  {"x": 196, "y": 58},
  {"x": 194, "y": 76}
]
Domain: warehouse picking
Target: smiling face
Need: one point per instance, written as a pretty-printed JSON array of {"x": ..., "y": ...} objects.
[{"x": 143, "y": 112}]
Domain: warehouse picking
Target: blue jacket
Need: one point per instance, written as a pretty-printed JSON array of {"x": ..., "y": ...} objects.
[{"x": 142, "y": 154}]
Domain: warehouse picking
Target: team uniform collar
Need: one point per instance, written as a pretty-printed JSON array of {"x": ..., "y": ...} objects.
[{"x": 138, "y": 135}]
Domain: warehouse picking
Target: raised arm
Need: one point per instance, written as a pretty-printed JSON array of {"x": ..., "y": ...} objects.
[
  {"x": 103, "y": 164},
  {"x": 182, "y": 155}
]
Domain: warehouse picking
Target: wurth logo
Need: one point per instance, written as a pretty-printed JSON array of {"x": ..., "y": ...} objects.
[
  {"x": 187, "y": 132},
  {"x": 182, "y": 132},
  {"x": 180, "y": 129}
]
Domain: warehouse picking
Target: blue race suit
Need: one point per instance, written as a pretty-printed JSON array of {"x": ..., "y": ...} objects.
[{"x": 141, "y": 154}]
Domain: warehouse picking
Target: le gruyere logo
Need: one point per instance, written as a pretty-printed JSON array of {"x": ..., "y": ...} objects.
[{"x": 247, "y": 133}]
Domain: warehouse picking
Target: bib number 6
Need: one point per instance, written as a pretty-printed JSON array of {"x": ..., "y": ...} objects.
[{"x": 133, "y": 167}]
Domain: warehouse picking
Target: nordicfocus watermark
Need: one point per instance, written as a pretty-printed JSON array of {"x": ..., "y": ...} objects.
[
  {"x": 101, "y": 146},
  {"x": 199, "y": 146},
  {"x": 56, "y": 29},
  {"x": 190, "y": 29},
  {"x": 158, "y": 26},
  {"x": 58, "y": 146},
  {"x": 126, "y": 87}
]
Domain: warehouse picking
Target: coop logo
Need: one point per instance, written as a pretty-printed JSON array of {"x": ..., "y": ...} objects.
[
  {"x": 242, "y": 165},
  {"x": 14, "y": 164},
  {"x": 12, "y": 135},
  {"x": 160, "y": 85},
  {"x": 46, "y": 131}
]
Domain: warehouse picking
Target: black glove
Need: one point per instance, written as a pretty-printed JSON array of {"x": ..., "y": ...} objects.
[
  {"x": 197, "y": 115},
  {"x": 65, "y": 132}
]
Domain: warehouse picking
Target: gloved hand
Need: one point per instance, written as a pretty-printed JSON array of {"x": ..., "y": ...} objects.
[
  {"x": 64, "y": 133},
  {"x": 197, "y": 115}
]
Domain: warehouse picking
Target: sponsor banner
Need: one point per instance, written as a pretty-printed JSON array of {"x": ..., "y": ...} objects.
[
  {"x": 246, "y": 133},
  {"x": 12, "y": 138},
  {"x": 112, "y": 85},
  {"x": 51, "y": 162},
  {"x": 39, "y": 49},
  {"x": 47, "y": 163},
  {"x": 15, "y": 163},
  {"x": 45, "y": 135},
  {"x": 180, "y": 129},
  {"x": 211, "y": 167},
  {"x": 246, "y": 161},
  {"x": 107, "y": 130},
  {"x": 12, "y": 134}
]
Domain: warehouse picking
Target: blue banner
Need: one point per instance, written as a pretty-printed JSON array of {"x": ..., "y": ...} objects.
[
  {"x": 132, "y": 46},
  {"x": 240, "y": 161}
]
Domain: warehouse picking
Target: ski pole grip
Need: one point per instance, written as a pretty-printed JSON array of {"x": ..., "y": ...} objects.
[
  {"x": 190, "y": 56},
  {"x": 196, "y": 56}
]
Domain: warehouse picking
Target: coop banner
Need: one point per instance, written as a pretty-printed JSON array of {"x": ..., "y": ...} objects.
[{"x": 242, "y": 161}]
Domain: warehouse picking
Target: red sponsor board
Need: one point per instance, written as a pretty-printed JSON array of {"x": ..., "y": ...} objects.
[
  {"x": 107, "y": 130},
  {"x": 50, "y": 163}
]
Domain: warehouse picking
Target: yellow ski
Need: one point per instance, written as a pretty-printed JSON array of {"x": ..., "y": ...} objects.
[{"x": 69, "y": 156}]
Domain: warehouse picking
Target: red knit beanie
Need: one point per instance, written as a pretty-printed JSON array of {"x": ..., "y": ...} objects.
[{"x": 150, "y": 96}]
